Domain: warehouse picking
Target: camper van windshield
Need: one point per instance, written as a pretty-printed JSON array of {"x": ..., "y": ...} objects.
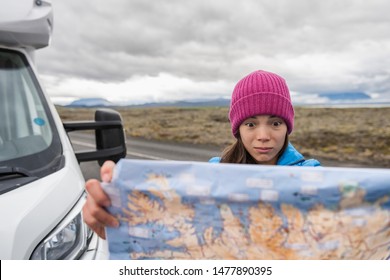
[{"x": 28, "y": 137}]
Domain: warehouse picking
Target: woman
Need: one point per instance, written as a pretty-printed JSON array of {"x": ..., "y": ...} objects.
[{"x": 261, "y": 117}]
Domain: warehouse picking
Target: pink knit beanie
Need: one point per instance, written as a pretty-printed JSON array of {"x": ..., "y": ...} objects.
[{"x": 261, "y": 93}]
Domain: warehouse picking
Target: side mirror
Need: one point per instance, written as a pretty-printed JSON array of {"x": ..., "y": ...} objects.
[
  {"x": 109, "y": 135},
  {"x": 110, "y": 138}
]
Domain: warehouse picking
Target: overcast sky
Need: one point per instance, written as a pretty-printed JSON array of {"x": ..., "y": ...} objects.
[{"x": 137, "y": 51}]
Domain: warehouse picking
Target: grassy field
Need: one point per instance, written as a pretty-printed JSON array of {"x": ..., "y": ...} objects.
[{"x": 352, "y": 136}]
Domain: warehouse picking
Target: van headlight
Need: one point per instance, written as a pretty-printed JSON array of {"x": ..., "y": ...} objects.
[{"x": 67, "y": 241}]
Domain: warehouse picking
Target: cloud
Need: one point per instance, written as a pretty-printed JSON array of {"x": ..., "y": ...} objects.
[
  {"x": 316, "y": 45},
  {"x": 136, "y": 90}
]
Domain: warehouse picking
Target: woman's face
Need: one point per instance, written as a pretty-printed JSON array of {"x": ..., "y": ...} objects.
[{"x": 263, "y": 137}]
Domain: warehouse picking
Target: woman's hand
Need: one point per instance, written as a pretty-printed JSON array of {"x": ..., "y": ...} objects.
[{"x": 95, "y": 216}]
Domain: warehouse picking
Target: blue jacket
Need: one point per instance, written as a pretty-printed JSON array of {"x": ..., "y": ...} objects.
[{"x": 290, "y": 157}]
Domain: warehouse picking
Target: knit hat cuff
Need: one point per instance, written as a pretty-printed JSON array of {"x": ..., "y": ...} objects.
[{"x": 261, "y": 103}]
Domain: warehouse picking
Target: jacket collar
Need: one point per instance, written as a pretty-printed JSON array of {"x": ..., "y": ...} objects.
[{"x": 290, "y": 156}]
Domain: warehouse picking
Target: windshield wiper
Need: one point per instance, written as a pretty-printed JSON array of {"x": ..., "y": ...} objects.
[
  {"x": 14, "y": 171},
  {"x": 13, "y": 177}
]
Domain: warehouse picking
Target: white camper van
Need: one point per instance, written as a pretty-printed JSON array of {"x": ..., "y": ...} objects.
[{"x": 41, "y": 185}]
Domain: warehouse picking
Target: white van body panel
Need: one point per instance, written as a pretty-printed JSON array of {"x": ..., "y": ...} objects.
[
  {"x": 24, "y": 23},
  {"x": 30, "y": 212}
]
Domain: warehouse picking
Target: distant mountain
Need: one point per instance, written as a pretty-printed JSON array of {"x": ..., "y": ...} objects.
[
  {"x": 101, "y": 102},
  {"x": 331, "y": 98},
  {"x": 348, "y": 96},
  {"x": 91, "y": 102},
  {"x": 220, "y": 102}
]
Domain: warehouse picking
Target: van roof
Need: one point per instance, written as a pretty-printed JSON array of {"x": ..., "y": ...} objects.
[{"x": 26, "y": 23}]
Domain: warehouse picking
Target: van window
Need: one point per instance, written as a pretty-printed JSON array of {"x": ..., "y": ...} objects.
[{"x": 28, "y": 136}]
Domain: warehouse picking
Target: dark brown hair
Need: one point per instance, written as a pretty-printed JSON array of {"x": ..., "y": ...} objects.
[{"x": 236, "y": 153}]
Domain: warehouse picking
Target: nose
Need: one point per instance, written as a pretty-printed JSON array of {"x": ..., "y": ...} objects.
[{"x": 263, "y": 133}]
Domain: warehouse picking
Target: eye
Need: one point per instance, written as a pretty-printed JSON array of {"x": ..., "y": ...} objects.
[
  {"x": 276, "y": 123},
  {"x": 249, "y": 124}
]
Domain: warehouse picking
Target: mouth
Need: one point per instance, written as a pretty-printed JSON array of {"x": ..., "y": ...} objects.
[{"x": 263, "y": 150}]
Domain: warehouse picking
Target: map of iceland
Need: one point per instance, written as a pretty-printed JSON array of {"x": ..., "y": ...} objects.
[{"x": 187, "y": 210}]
